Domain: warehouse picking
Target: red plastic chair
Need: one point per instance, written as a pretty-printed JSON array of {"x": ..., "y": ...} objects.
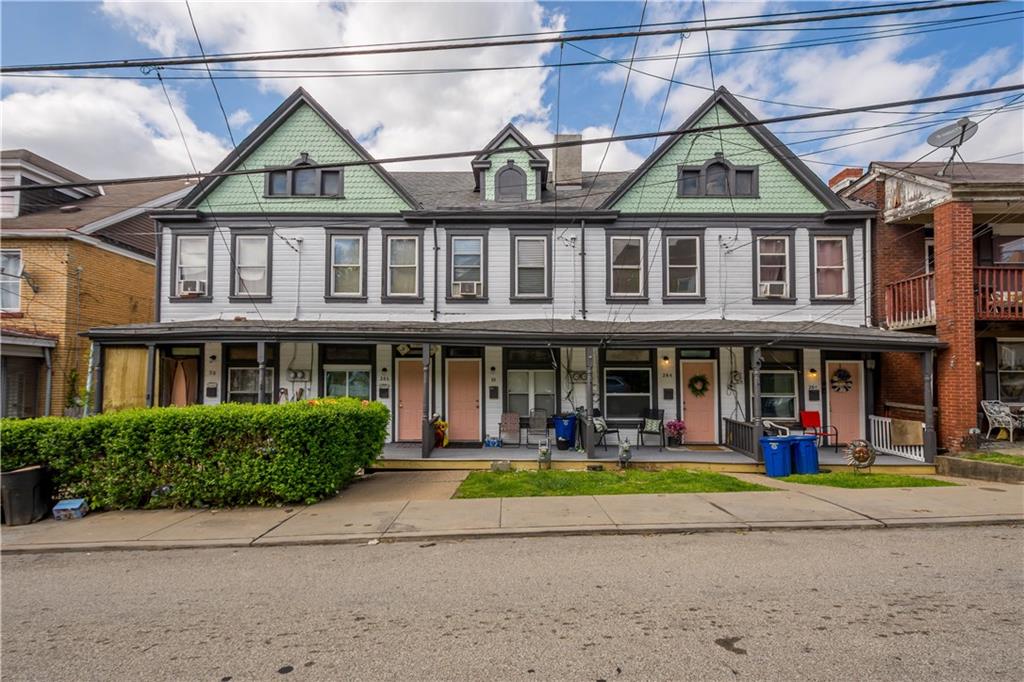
[{"x": 810, "y": 420}]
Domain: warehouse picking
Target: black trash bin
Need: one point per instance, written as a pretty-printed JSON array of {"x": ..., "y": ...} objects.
[{"x": 25, "y": 495}]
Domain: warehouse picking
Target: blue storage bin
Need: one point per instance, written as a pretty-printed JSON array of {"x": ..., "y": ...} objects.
[
  {"x": 565, "y": 430},
  {"x": 805, "y": 454},
  {"x": 777, "y": 453}
]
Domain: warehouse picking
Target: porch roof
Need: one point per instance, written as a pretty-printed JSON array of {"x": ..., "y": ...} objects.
[{"x": 528, "y": 332}]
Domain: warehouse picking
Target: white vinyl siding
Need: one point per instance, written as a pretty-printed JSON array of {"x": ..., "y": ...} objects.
[{"x": 531, "y": 267}]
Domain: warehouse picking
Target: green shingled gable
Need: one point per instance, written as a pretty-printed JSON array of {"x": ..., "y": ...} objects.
[
  {"x": 304, "y": 131},
  {"x": 500, "y": 159},
  {"x": 780, "y": 191}
]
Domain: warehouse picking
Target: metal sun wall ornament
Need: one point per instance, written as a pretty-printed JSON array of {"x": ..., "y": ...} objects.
[
  {"x": 841, "y": 381},
  {"x": 860, "y": 454}
]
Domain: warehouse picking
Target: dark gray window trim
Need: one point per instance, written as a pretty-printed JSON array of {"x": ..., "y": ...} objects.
[
  {"x": 329, "y": 235},
  {"x": 509, "y": 167},
  {"x": 451, "y": 233},
  {"x": 703, "y": 176},
  {"x": 801, "y": 403},
  {"x": 297, "y": 164},
  {"x": 172, "y": 270},
  {"x": 643, "y": 234},
  {"x": 385, "y": 235},
  {"x": 268, "y": 234},
  {"x": 835, "y": 233},
  {"x": 755, "y": 234},
  {"x": 226, "y": 363},
  {"x": 507, "y": 364},
  {"x": 701, "y": 295},
  {"x": 527, "y": 232},
  {"x": 604, "y": 364}
]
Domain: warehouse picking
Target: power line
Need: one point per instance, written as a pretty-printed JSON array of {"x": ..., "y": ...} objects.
[
  {"x": 474, "y": 44},
  {"x": 537, "y": 147}
]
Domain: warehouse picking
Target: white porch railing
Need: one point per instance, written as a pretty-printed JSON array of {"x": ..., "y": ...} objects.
[{"x": 881, "y": 438}]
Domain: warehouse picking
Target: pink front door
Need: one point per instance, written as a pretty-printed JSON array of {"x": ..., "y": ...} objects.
[
  {"x": 844, "y": 382},
  {"x": 700, "y": 413},
  {"x": 464, "y": 400},
  {"x": 410, "y": 399}
]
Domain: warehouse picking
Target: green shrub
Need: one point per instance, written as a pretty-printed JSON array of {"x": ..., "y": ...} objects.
[{"x": 219, "y": 455}]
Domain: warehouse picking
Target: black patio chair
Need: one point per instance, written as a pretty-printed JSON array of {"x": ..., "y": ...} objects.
[
  {"x": 652, "y": 423},
  {"x": 602, "y": 429}
]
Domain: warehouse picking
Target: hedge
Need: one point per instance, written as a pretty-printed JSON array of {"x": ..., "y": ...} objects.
[{"x": 204, "y": 455}]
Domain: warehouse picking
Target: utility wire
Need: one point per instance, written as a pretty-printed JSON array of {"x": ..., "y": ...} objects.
[
  {"x": 538, "y": 147},
  {"x": 509, "y": 42}
]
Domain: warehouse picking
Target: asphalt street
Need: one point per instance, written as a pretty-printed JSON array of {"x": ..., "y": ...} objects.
[{"x": 928, "y": 604}]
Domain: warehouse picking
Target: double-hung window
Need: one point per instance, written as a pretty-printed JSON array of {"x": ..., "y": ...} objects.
[
  {"x": 627, "y": 392},
  {"x": 530, "y": 274},
  {"x": 467, "y": 266},
  {"x": 10, "y": 280},
  {"x": 251, "y": 259},
  {"x": 403, "y": 265},
  {"x": 778, "y": 393},
  {"x": 302, "y": 181},
  {"x": 773, "y": 267},
  {"x": 682, "y": 266},
  {"x": 831, "y": 267},
  {"x": 1011, "y": 372},
  {"x": 192, "y": 265},
  {"x": 530, "y": 380},
  {"x": 627, "y": 266},
  {"x": 345, "y": 278}
]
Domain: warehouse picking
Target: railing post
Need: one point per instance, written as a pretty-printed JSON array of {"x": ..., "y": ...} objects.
[
  {"x": 930, "y": 439},
  {"x": 755, "y": 388},
  {"x": 261, "y": 360},
  {"x": 427, "y": 443}
]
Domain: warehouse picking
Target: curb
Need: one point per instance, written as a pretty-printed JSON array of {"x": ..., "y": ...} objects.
[{"x": 518, "y": 533}]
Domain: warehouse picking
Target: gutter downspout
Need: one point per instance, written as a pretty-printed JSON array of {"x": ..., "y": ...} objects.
[
  {"x": 583, "y": 272},
  {"x": 159, "y": 268},
  {"x": 48, "y": 406},
  {"x": 869, "y": 291},
  {"x": 298, "y": 277},
  {"x": 434, "y": 230}
]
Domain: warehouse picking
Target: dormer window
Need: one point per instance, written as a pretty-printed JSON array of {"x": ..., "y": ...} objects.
[
  {"x": 510, "y": 183},
  {"x": 303, "y": 181},
  {"x": 717, "y": 178}
]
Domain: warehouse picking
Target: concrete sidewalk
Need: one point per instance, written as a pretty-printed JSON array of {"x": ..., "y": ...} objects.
[{"x": 373, "y": 511}]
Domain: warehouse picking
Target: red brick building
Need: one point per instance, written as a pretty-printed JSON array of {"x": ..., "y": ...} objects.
[{"x": 947, "y": 258}]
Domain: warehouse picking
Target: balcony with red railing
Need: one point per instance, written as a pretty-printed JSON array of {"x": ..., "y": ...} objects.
[
  {"x": 998, "y": 295},
  {"x": 910, "y": 302}
]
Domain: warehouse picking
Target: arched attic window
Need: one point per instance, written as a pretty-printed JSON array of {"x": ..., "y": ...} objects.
[
  {"x": 510, "y": 183},
  {"x": 717, "y": 178},
  {"x": 302, "y": 180}
]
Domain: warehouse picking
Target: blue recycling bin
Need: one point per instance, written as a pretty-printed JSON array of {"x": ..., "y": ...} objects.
[
  {"x": 777, "y": 453},
  {"x": 805, "y": 454},
  {"x": 565, "y": 431}
]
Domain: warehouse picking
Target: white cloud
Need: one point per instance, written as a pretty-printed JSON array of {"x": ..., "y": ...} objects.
[
  {"x": 104, "y": 128},
  {"x": 393, "y": 115},
  {"x": 239, "y": 119}
]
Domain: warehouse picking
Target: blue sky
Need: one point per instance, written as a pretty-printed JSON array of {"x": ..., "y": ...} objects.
[{"x": 113, "y": 127}]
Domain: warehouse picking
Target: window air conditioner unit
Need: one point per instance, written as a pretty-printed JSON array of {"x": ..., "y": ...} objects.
[
  {"x": 773, "y": 289},
  {"x": 468, "y": 289},
  {"x": 191, "y": 287}
]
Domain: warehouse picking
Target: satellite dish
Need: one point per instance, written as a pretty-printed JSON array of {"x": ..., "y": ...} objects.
[{"x": 953, "y": 135}]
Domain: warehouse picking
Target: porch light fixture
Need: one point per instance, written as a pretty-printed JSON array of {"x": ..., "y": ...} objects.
[
  {"x": 812, "y": 372},
  {"x": 664, "y": 358}
]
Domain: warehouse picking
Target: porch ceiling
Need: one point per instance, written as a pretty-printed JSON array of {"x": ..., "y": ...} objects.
[{"x": 529, "y": 332}]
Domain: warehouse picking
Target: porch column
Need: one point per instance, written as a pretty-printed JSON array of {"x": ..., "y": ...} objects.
[
  {"x": 261, "y": 359},
  {"x": 150, "y": 373},
  {"x": 930, "y": 439},
  {"x": 427, "y": 443},
  {"x": 96, "y": 379},
  {"x": 48, "y": 398},
  {"x": 755, "y": 388},
  {"x": 588, "y": 423}
]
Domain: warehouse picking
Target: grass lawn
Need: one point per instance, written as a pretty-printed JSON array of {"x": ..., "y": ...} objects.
[
  {"x": 850, "y": 479},
  {"x": 998, "y": 458},
  {"x": 553, "y": 482}
]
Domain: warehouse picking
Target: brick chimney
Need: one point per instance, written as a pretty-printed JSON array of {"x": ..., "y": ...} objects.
[
  {"x": 845, "y": 178},
  {"x": 569, "y": 162}
]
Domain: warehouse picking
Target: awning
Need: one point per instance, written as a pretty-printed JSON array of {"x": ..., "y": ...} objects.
[{"x": 527, "y": 332}]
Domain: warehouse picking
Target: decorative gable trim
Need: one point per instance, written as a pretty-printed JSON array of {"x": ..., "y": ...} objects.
[
  {"x": 267, "y": 128},
  {"x": 771, "y": 144},
  {"x": 482, "y": 160}
]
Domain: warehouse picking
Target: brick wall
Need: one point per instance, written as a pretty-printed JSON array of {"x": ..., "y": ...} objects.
[
  {"x": 109, "y": 289},
  {"x": 956, "y": 373}
]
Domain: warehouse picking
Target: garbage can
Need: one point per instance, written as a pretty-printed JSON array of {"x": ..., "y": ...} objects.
[
  {"x": 25, "y": 495},
  {"x": 805, "y": 454},
  {"x": 776, "y": 451},
  {"x": 565, "y": 431}
]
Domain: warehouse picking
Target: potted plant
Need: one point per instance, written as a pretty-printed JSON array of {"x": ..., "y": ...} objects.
[{"x": 675, "y": 431}]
